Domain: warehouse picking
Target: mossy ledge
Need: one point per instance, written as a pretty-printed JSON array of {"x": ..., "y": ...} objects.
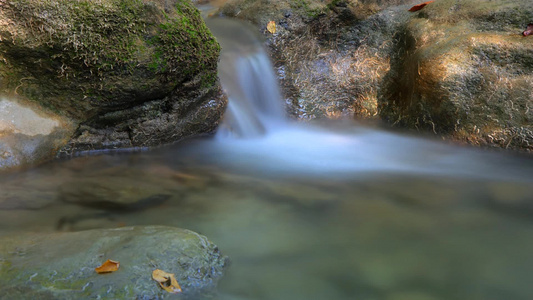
[{"x": 129, "y": 72}]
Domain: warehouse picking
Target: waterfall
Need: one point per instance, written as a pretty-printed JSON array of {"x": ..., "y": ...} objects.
[
  {"x": 247, "y": 76},
  {"x": 255, "y": 134}
]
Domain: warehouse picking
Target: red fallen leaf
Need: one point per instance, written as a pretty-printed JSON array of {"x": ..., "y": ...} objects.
[
  {"x": 529, "y": 30},
  {"x": 420, "y": 6}
]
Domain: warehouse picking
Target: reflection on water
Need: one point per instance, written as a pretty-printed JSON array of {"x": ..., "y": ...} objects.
[{"x": 296, "y": 233}]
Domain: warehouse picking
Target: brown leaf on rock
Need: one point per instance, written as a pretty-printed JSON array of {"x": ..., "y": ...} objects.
[
  {"x": 271, "y": 27},
  {"x": 167, "y": 281},
  {"x": 108, "y": 267},
  {"x": 420, "y": 6},
  {"x": 529, "y": 30}
]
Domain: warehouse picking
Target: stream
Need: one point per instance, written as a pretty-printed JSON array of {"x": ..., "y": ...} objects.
[{"x": 305, "y": 211}]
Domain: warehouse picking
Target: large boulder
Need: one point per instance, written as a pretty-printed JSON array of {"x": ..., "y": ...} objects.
[
  {"x": 465, "y": 71},
  {"x": 62, "y": 265},
  {"x": 130, "y": 73}
]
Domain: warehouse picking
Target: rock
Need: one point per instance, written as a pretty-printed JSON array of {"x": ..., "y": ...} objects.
[
  {"x": 61, "y": 265},
  {"x": 20, "y": 197},
  {"x": 122, "y": 193},
  {"x": 411, "y": 295},
  {"x": 29, "y": 135},
  {"x": 465, "y": 72},
  {"x": 126, "y": 73},
  {"x": 125, "y": 189},
  {"x": 88, "y": 221}
]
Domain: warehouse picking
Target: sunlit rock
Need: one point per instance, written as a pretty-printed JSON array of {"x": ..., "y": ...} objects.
[
  {"x": 61, "y": 265},
  {"x": 464, "y": 71}
]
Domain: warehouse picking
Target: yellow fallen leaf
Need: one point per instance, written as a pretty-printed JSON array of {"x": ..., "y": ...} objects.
[
  {"x": 108, "y": 267},
  {"x": 167, "y": 281},
  {"x": 271, "y": 27}
]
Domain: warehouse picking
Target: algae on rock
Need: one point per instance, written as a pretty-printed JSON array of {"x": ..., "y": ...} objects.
[{"x": 61, "y": 265}]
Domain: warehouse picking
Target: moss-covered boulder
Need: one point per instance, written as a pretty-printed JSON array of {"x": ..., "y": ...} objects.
[
  {"x": 130, "y": 73},
  {"x": 62, "y": 265},
  {"x": 464, "y": 71}
]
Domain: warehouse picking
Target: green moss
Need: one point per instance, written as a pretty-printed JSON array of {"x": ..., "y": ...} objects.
[
  {"x": 184, "y": 45},
  {"x": 95, "y": 53},
  {"x": 311, "y": 9},
  {"x": 97, "y": 34}
]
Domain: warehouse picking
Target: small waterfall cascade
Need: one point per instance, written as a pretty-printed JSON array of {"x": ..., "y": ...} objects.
[
  {"x": 255, "y": 127},
  {"x": 247, "y": 76}
]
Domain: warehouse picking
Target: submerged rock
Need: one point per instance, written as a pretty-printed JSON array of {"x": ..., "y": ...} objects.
[
  {"x": 61, "y": 266},
  {"x": 118, "y": 191},
  {"x": 125, "y": 73},
  {"x": 465, "y": 72}
]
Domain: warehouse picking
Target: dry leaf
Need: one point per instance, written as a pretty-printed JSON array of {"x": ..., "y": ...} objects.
[
  {"x": 271, "y": 27},
  {"x": 167, "y": 281},
  {"x": 108, "y": 267},
  {"x": 419, "y": 6},
  {"x": 529, "y": 30}
]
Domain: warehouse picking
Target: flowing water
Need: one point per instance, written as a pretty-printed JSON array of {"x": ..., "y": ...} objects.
[{"x": 305, "y": 211}]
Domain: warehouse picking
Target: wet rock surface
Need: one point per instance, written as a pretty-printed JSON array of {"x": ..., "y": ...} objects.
[
  {"x": 61, "y": 266},
  {"x": 28, "y": 134}
]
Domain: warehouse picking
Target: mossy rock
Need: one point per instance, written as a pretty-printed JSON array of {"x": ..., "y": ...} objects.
[
  {"x": 465, "y": 72},
  {"x": 130, "y": 72},
  {"x": 62, "y": 265}
]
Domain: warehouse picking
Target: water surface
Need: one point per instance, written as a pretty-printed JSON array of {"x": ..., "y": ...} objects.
[
  {"x": 297, "y": 233},
  {"x": 306, "y": 211}
]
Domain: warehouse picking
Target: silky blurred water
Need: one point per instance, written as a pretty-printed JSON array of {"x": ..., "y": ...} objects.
[
  {"x": 309, "y": 211},
  {"x": 294, "y": 234}
]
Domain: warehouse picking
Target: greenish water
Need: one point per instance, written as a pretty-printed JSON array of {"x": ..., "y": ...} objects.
[
  {"x": 294, "y": 233},
  {"x": 305, "y": 212}
]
